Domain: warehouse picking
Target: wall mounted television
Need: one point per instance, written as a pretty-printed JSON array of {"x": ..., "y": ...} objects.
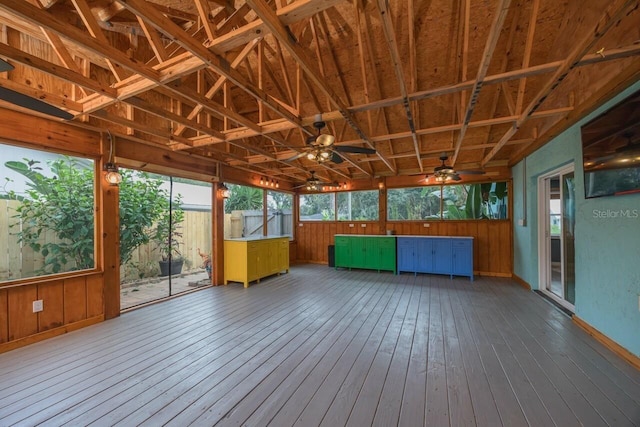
[{"x": 611, "y": 150}]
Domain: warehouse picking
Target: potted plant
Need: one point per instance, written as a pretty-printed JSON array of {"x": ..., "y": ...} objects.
[{"x": 169, "y": 237}]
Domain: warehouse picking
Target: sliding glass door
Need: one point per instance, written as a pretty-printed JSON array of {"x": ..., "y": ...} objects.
[
  {"x": 556, "y": 200},
  {"x": 165, "y": 236}
]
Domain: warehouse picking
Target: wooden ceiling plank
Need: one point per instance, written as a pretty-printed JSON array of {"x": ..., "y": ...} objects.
[
  {"x": 217, "y": 63},
  {"x": 279, "y": 31},
  {"x": 527, "y": 53},
  {"x": 487, "y": 55},
  {"x": 96, "y": 32},
  {"x": 614, "y": 11}
]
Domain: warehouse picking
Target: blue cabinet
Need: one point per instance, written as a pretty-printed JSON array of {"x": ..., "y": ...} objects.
[
  {"x": 436, "y": 255},
  {"x": 462, "y": 257}
]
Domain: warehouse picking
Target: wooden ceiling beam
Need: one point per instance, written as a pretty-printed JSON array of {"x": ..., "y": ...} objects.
[
  {"x": 487, "y": 55},
  {"x": 535, "y": 7},
  {"x": 217, "y": 63},
  {"x": 294, "y": 12},
  {"x": 176, "y": 118},
  {"x": 277, "y": 28},
  {"x": 220, "y": 82},
  {"x": 614, "y": 11},
  {"x": 608, "y": 55},
  {"x": 56, "y": 70},
  {"x": 390, "y": 37},
  {"x": 47, "y": 20},
  {"x": 204, "y": 11},
  {"x": 63, "y": 102},
  {"x": 154, "y": 39},
  {"x": 96, "y": 32}
]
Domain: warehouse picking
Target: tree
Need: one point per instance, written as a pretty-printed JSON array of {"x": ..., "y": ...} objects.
[
  {"x": 278, "y": 201},
  {"x": 64, "y": 205},
  {"x": 242, "y": 197}
]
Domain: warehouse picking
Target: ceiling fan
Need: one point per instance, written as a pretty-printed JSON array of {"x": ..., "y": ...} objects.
[
  {"x": 321, "y": 148},
  {"x": 315, "y": 184},
  {"x": 28, "y": 102},
  {"x": 445, "y": 173}
]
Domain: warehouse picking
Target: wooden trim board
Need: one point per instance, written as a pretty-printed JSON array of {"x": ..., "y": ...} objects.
[
  {"x": 520, "y": 281},
  {"x": 12, "y": 345},
  {"x": 608, "y": 342}
]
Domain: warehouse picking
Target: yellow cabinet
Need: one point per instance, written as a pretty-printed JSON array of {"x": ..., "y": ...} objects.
[{"x": 253, "y": 258}]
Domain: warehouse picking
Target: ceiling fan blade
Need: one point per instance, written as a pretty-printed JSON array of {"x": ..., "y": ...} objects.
[
  {"x": 33, "y": 104},
  {"x": 335, "y": 158},
  {"x": 5, "y": 66},
  {"x": 354, "y": 149},
  {"x": 470, "y": 172},
  {"x": 296, "y": 157}
]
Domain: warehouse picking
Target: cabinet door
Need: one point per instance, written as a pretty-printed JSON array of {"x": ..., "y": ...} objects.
[
  {"x": 343, "y": 251},
  {"x": 442, "y": 256},
  {"x": 386, "y": 253},
  {"x": 424, "y": 255},
  {"x": 283, "y": 255},
  {"x": 407, "y": 254},
  {"x": 462, "y": 257},
  {"x": 359, "y": 246},
  {"x": 253, "y": 261}
]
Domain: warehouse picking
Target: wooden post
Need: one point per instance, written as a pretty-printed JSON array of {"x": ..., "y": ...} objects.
[
  {"x": 110, "y": 255},
  {"x": 217, "y": 239}
]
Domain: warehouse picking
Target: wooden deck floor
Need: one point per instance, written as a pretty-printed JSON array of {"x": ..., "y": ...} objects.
[{"x": 332, "y": 348}]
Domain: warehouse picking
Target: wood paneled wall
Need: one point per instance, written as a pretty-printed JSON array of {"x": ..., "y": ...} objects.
[
  {"x": 492, "y": 247},
  {"x": 68, "y": 304}
]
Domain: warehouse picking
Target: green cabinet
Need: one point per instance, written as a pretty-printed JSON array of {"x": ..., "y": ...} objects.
[{"x": 366, "y": 252}]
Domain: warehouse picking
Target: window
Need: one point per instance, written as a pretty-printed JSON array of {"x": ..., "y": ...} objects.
[
  {"x": 317, "y": 207},
  {"x": 279, "y": 214},
  {"x": 243, "y": 212},
  {"x": 358, "y": 205},
  {"x": 417, "y": 203},
  {"x": 47, "y": 213},
  {"x": 465, "y": 201},
  {"x": 475, "y": 201}
]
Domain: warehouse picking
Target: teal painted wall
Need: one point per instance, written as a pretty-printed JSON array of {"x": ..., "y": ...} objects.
[{"x": 607, "y": 244}]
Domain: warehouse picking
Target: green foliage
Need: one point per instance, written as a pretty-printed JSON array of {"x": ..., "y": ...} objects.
[
  {"x": 242, "y": 197},
  {"x": 167, "y": 232},
  {"x": 63, "y": 205},
  {"x": 314, "y": 204},
  {"x": 60, "y": 205},
  {"x": 414, "y": 203},
  {"x": 277, "y": 201},
  {"x": 358, "y": 205}
]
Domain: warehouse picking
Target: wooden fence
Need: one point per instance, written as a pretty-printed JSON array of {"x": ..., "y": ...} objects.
[{"x": 250, "y": 223}]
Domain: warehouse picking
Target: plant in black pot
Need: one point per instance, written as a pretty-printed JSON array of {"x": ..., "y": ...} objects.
[{"x": 168, "y": 235}]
